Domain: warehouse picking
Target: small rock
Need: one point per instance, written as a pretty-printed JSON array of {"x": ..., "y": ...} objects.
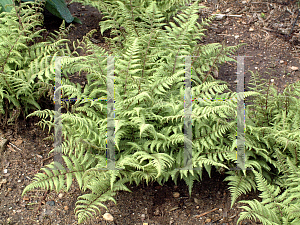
[
  {"x": 283, "y": 31},
  {"x": 5, "y": 171},
  {"x": 294, "y": 68},
  {"x": 51, "y": 203},
  {"x": 281, "y": 61},
  {"x": 3, "y": 181},
  {"x": 251, "y": 29},
  {"x": 60, "y": 195},
  {"x": 66, "y": 208},
  {"x": 208, "y": 220},
  {"x": 108, "y": 217},
  {"x": 176, "y": 194}
]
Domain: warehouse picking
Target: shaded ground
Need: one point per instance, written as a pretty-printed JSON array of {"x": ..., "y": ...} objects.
[
  {"x": 269, "y": 49},
  {"x": 273, "y": 51}
]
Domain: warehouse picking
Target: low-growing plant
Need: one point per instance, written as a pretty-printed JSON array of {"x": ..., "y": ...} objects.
[
  {"x": 149, "y": 96},
  {"x": 26, "y": 64},
  {"x": 149, "y": 93}
]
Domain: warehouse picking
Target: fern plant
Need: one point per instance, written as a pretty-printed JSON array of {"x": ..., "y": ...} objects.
[
  {"x": 271, "y": 134},
  {"x": 26, "y": 71},
  {"x": 277, "y": 119},
  {"x": 149, "y": 111},
  {"x": 280, "y": 203}
]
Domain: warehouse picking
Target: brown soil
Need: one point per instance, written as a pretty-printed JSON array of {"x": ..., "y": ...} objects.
[{"x": 267, "y": 41}]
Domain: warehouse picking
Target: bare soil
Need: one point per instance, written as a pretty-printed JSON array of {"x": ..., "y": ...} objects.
[{"x": 271, "y": 52}]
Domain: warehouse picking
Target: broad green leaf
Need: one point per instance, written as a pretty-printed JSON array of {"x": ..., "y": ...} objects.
[
  {"x": 4, "y": 3},
  {"x": 59, "y": 9}
]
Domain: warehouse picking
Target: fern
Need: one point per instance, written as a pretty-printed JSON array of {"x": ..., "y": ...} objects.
[
  {"x": 26, "y": 68},
  {"x": 149, "y": 111}
]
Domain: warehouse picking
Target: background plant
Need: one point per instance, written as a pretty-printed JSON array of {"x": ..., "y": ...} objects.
[
  {"x": 56, "y": 7},
  {"x": 26, "y": 65},
  {"x": 274, "y": 119}
]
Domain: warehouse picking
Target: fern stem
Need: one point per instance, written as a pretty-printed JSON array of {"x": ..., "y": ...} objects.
[
  {"x": 21, "y": 24},
  {"x": 133, "y": 22},
  {"x": 144, "y": 63}
]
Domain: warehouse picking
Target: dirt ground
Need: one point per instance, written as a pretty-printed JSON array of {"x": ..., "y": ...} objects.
[{"x": 275, "y": 55}]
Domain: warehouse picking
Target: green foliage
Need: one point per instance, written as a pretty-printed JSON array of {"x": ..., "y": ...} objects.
[
  {"x": 280, "y": 204},
  {"x": 149, "y": 106},
  {"x": 26, "y": 69},
  {"x": 56, "y": 7},
  {"x": 274, "y": 122},
  {"x": 6, "y": 5},
  {"x": 149, "y": 111}
]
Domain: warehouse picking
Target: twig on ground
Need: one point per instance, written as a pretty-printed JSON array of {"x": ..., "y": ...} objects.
[
  {"x": 225, "y": 34},
  {"x": 11, "y": 148},
  {"x": 203, "y": 214},
  {"x": 15, "y": 146},
  {"x": 43, "y": 160}
]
